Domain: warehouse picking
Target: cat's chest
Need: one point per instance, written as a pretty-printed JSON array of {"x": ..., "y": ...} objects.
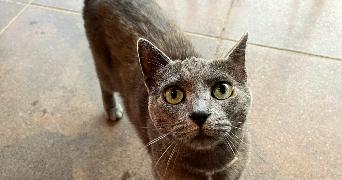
[{"x": 168, "y": 155}]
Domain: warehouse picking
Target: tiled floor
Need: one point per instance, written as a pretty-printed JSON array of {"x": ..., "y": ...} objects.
[{"x": 51, "y": 115}]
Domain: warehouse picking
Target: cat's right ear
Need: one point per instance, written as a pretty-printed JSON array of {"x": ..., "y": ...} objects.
[{"x": 151, "y": 59}]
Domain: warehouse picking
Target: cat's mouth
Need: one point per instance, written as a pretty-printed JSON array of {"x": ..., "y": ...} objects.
[
  {"x": 201, "y": 138},
  {"x": 202, "y": 141}
]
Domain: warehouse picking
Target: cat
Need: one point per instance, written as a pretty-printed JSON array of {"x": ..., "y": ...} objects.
[{"x": 188, "y": 111}]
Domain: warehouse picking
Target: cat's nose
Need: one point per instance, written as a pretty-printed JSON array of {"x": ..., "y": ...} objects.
[{"x": 199, "y": 117}]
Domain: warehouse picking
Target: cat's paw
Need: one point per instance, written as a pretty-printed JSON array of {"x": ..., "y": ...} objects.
[{"x": 115, "y": 114}]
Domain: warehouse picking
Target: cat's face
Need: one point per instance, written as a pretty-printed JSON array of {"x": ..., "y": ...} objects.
[{"x": 199, "y": 102}]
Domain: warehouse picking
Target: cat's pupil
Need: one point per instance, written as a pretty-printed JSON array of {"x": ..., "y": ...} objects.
[
  {"x": 174, "y": 93},
  {"x": 222, "y": 89}
]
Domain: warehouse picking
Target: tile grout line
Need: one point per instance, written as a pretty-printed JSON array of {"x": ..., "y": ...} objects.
[
  {"x": 200, "y": 35},
  {"x": 223, "y": 29},
  {"x": 286, "y": 50},
  {"x": 294, "y": 51},
  {"x": 15, "y": 17},
  {"x": 43, "y": 6},
  {"x": 56, "y": 9},
  {"x": 264, "y": 46}
]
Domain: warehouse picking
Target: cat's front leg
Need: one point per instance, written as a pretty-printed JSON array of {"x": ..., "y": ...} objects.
[{"x": 113, "y": 109}]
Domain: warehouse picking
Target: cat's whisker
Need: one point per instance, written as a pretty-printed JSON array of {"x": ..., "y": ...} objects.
[
  {"x": 236, "y": 172},
  {"x": 237, "y": 127},
  {"x": 238, "y": 138},
  {"x": 170, "y": 158},
  {"x": 255, "y": 153},
  {"x": 233, "y": 142},
  {"x": 240, "y": 122},
  {"x": 243, "y": 123},
  {"x": 163, "y": 153},
  {"x": 164, "y": 159},
  {"x": 157, "y": 139},
  {"x": 173, "y": 167},
  {"x": 231, "y": 138},
  {"x": 227, "y": 142}
]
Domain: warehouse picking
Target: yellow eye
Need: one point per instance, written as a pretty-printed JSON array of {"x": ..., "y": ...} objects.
[
  {"x": 174, "y": 95},
  {"x": 222, "y": 91}
]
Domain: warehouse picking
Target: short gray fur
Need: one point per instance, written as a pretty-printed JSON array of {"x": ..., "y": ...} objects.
[{"x": 139, "y": 52}]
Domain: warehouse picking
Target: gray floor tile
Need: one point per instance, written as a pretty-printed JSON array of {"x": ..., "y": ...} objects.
[
  {"x": 7, "y": 12},
  {"x": 23, "y": 0},
  {"x": 196, "y": 16},
  {"x": 204, "y": 45},
  {"x": 74, "y": 5},
  {"x": 307, "y": 26}
]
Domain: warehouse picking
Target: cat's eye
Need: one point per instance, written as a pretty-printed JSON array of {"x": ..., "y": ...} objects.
[
  {"x": 174, "y": 95},
  {"x": 222, "y": 91}
]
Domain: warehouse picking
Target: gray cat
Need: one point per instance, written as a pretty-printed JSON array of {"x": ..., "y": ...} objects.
[{"x": 189, "y": 111}]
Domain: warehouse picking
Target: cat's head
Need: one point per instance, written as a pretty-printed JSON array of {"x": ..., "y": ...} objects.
[{"x": 199, "y": 101}]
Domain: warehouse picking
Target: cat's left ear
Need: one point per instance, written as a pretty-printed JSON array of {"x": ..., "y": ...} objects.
[
  {"x": 236, "y": 57},
  {"x": 237, "y": 53},
  {"x": 151, "y": 60}
]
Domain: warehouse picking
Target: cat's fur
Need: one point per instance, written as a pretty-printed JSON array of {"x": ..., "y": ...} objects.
[{"x": 141, "y": 70}]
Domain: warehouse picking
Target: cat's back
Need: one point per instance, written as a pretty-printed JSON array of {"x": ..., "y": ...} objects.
[{"x": 122, "y": 22}]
